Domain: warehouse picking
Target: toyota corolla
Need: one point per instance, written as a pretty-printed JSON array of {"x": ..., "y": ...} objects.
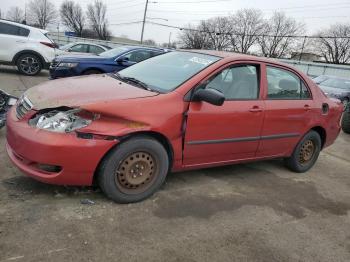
[{"x": 183, "y": 110}]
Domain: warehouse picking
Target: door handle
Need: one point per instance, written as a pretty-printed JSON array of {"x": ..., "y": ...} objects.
[
  {"x": 307, "y": 107},
  {"x": 255, "y": 109}
]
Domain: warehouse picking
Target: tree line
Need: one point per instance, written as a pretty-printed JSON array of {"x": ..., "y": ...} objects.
[
  {"x": 41, "y": 13},
  {"x": 247, "y": 31}
]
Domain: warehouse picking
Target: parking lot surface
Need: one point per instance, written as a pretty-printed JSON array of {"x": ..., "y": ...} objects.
[{"x": 251, "y": 212}]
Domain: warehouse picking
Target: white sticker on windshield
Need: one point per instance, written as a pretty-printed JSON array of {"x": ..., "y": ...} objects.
[{"x": 201, "y": 61}]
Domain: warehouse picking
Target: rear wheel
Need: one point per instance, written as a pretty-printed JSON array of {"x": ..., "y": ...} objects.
[
  {"x": 29, "y": 64},
  {"x": 345, "y": 123},
  {"x": 134, "y": 170},
  {"x": 305, "y": 154}
]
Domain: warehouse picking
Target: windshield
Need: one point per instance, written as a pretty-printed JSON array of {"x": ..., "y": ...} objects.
[
  {"x": 114, "y": 52},
  {"x": 166, "y": 72},
  {"x": 64, "y": 47},
  {"x": 337, "y": 83}
]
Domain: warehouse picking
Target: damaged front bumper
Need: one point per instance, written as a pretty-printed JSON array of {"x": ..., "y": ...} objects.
[
  {"x": 6, "y": 102},
  {"x": 54, "y": 158}
]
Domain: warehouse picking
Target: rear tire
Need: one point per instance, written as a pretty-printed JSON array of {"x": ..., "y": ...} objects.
[
  {"x": 305, "y": 153},
  {"x": 29, "y": 64},
  {"x": 134, "y": 170},
  {"x": 345, "y": 123}
]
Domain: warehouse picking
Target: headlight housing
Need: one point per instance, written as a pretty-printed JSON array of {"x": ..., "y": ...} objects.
[
  {"x": 67, "y": 65},
  {"x": 60, "y": 121}
]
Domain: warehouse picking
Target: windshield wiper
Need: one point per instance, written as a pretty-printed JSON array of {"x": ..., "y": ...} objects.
[{"x": 134, "y": 81}]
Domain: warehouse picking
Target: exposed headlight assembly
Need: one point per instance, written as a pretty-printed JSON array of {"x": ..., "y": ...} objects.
[
  {"x": 60, "y": 121},
  {"x": 68, "y": 65}
]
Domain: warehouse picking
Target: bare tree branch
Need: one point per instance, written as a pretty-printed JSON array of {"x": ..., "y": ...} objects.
[
  {"x": 96, "y": 15},
  {"x": 15, "y": 14},
  {"x": 41, "y": 13},
  {"x": 72, "y": 16}
]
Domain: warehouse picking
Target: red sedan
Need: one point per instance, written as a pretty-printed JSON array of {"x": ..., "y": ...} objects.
[{"x": 178, "y": 111}]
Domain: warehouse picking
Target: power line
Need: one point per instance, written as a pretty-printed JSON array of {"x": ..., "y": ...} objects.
[
  {"x": 249, "y": 35},
  {"x": 192, "y": 2}
]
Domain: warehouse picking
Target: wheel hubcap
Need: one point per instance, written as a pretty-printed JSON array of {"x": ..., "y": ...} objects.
[
  {"x": 307, "y": 152},
  {"x": 29, "y": 65},
  {"x": 136, "y": 172}
]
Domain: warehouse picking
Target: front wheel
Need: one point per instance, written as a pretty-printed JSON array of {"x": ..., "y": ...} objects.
[
  {"x": 134, "y": 170},
  {"x": 29, "y": 64},
  {"x": 345, "y": 123},
  {"x": 305, "y": 153}
]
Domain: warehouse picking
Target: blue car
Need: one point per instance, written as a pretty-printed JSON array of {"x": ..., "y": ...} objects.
[{"x": 109, "y": 61}]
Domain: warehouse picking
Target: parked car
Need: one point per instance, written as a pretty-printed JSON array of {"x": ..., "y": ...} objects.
[
  {"x": 28, "y": 48},
  {"x": 6, "y": 102},
  {"x": 83, "y": 47},
  {"x": 320, "y": 79},
  {"x": 178, "y": 111},
  {"x": 337, "y": 87},
  {"x": 110, "y": 61}
]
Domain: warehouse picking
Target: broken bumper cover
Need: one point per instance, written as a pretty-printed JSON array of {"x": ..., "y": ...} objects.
[{"x": 54, "y": 158}]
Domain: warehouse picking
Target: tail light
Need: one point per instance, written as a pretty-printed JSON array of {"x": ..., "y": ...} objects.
[{"x": 52, "y": 45}]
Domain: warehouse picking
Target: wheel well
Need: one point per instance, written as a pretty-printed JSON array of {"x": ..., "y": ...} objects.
[
  {"x": 155, "y": 135},
  {"x": 92, "y": 69},
  {"x": 322, "y": 132},
  {"x": 14, "y": 60}
]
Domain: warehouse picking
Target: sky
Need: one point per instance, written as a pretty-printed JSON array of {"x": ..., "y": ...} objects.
[{"x": 315, "y": 14}]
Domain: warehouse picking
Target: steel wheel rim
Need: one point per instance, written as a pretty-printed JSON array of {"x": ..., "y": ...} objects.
[
  {"x": 307, "y": 151},
  {"x": 29, "y": 65},
  {"x": 136, "y": 173}
]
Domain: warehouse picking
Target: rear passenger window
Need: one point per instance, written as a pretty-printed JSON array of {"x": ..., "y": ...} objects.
[
  {"x": 283, "y": 84},
  {"x": 8, "y": 29},
  {"x": 81, "y": 48},
  {"x": 237, "y": 83},
  {"x": 95, "y": 49}
]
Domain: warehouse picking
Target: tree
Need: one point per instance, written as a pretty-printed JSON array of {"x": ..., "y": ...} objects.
[
  {"x": 247, "y": 24},
  {"x": 217, "y": 31},
  {"x": 72, "y": 16},
  {"x": 192, "y": 38},
  {"x": 150, "y": 42},
  {"x": 15, "y": 14},
  {"x": 337, "y": 48},
  {"x": 277, "y": 38},
  {"x": 41, "y": 13},
  {"x": 96, "y": 14}
]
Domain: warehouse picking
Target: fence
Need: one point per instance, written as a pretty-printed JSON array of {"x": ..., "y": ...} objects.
[{"x": 315, "y": 69}]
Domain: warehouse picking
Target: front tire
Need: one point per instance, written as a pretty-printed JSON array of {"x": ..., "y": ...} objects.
[
  {"x": 305, "y": 153},
  {"x": 134, "y": 170},
  {"x": 345, "y": 123},
  {"x": 29, "y": 64}
]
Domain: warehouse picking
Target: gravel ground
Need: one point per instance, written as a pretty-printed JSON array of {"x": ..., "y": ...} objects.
[{"x": 252, "y": 212}]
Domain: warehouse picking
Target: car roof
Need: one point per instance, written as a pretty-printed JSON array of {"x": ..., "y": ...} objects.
[
  {"x": 24, "y": 26},
  {"x": 235, "y": 56}
]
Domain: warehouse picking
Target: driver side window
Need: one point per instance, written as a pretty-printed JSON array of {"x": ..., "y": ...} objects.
[
  {"x": 237, "y": 83},
  {"x": 138, "y": 56}
]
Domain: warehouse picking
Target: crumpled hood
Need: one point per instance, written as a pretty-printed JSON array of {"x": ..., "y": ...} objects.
[{"x": 83, "y": 90}]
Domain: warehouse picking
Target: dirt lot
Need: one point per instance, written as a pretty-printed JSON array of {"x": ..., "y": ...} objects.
[{"x": 251, "y": 212}]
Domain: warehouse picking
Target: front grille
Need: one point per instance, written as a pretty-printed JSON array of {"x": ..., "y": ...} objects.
[
  {"x": 23, "y": 107},
  {"x": 54, "y": 64}
]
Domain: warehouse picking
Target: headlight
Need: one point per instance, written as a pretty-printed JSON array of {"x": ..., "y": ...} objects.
[
  {"x": 60, "y": 121},
  {"x": 68, "y": 65}
]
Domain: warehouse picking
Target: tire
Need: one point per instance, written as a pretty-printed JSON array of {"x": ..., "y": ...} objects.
[
  {"x": 29, "y": 64},
  {"x": 299, "y": 162},
  {"x": 92, "y": 72},
  {"x": 345, "y": 102},
  {"x": 120, "y": 175},
  {"x": 345, "y": 122}
]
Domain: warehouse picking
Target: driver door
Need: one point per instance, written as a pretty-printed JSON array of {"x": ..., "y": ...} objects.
[{"x": 219, "y": 134}]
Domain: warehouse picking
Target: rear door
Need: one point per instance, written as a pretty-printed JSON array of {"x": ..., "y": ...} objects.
[
  {"x": 12, "y": 38},
  {"x": 289, "y": 110},
  {"x": 229, "y": 132}
]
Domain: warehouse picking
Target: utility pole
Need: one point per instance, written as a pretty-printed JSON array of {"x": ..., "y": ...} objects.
[
  {"x": 169, "y": 40},
  {"x": 144, "y": 21}
]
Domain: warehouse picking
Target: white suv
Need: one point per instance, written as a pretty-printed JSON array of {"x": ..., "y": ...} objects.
[{"x": 29, "y": 48}]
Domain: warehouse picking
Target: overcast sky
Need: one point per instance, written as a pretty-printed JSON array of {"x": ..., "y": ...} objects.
[{"x": 314, "y": 13}]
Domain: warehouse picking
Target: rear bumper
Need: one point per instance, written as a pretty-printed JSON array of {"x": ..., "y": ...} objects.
[{"x": 30, "y": 148}]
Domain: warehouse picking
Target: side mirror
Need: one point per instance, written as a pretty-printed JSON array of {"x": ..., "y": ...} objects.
[
  {"x": 121, "y": 60},
  {"x": 210, "y": 95}
]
